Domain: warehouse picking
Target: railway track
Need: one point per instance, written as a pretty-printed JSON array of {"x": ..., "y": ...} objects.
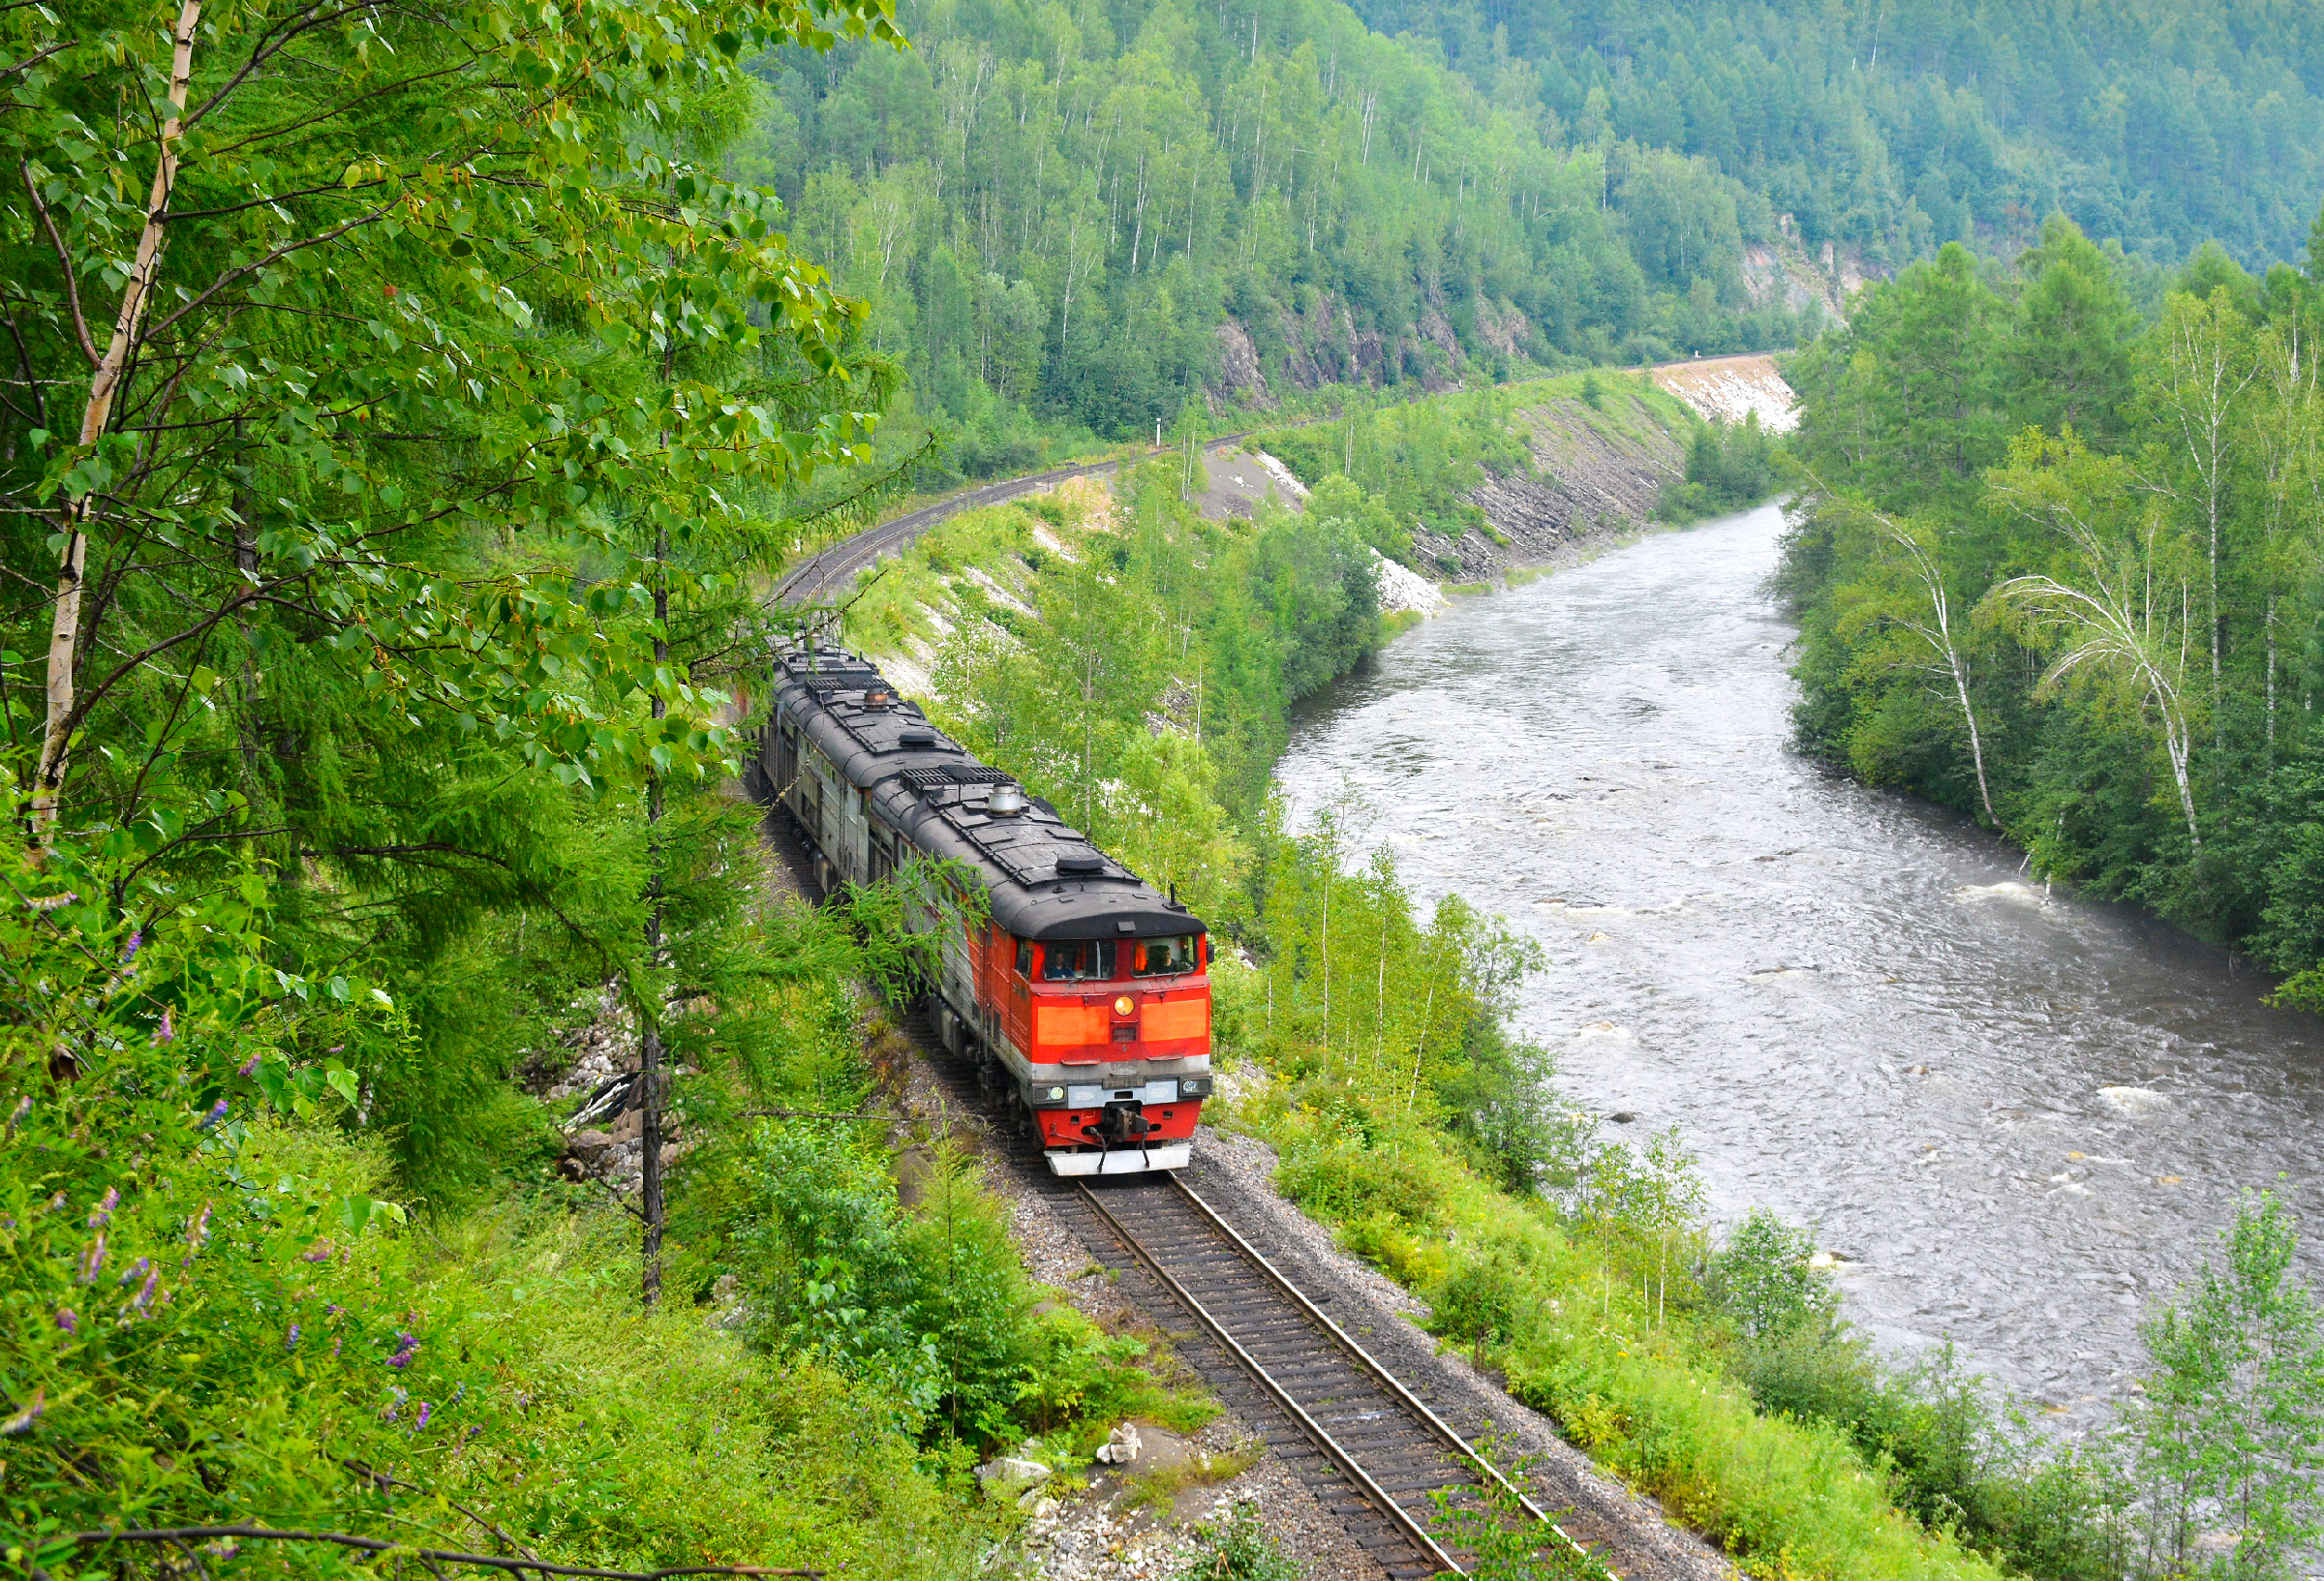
[
  {"x": 825, "y": 574},
  {"x": 1367, "y": 1444}
]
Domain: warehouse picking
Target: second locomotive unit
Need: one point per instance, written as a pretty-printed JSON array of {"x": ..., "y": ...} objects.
[{"x": 1085, "y": 995}]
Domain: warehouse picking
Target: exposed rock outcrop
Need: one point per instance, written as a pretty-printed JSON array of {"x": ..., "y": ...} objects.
[
  {"x": 1731, "y": 388},
  {"x": 1592, "y": 476},
  {"x": 1318, "y": 342}
]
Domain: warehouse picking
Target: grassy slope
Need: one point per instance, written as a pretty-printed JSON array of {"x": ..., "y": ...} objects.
[{"x": 1650, "y": 1401}]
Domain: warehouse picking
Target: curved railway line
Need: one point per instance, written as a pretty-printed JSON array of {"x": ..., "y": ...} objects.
[{"x": 830, "y": 570}]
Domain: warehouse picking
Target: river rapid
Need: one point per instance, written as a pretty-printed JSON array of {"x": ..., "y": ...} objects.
[{"x": 2019, "y": 1118}]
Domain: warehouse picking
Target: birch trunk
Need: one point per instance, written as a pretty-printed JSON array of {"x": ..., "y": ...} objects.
[{"x": 105, "y": 383}]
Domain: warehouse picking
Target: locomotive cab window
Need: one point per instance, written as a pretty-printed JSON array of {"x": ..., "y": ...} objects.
[
  {"x": 1025, "y": 959},
  {"x": 1164, "y": 957},
  {"x": 1077, "y": 960}
]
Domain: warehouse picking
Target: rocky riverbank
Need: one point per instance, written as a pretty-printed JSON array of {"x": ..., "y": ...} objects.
[{"x": 1598, "y": 470}]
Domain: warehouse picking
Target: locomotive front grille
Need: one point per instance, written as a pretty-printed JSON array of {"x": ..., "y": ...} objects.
[{"x": 1092, "y": 1095}]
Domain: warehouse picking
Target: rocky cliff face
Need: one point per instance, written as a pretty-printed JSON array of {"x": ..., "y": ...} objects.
[
  {"x": 1593, "y": 474},
  {"x": 1319, "y": 344}
]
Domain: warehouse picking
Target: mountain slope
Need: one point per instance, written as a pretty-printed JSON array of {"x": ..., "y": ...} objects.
[
  {"x": 1055, "y": 210},
  {"x": 1894, "y": 126}
]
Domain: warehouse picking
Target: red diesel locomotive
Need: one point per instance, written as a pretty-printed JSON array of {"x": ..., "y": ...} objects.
[{"x": 1086, "y": 997}]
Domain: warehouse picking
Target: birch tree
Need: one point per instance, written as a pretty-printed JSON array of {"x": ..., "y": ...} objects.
[
  {"x": 2190, "y": 392},
  {"x": 1919, "y": 605},
  {"x": 2121, "y": 605},
  {"x": 2282, "y": 429}
]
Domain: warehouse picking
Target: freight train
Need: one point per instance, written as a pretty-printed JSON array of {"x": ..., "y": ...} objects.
[{"x": 1083, "y": 996}]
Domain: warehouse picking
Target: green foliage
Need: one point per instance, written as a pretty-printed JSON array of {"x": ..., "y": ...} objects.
[
  {"x": 1761, "y": 1278},
  {"x": 2054, "y": 565},
  {"x": 1501, "y": 1537},
  {"x": 1240, "y": 1549},
  {"x": 1052, "y": 212},
  {"x": 1729, "y": 465},
  {"x": 1140, "y": 675},
  {"x": 216, "y": 1312},
  {"x": 1419, "y": 460},
  {"x": 1894, "y": 129},
  {"x": 2231, "y": 1428},
  {"x": 927, "y": 1305}
]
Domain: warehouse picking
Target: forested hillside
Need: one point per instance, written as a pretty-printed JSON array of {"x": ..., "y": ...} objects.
[
  {"x": 2056, "y": 565},
  {"x": 1053, "y": 211},
  {"x": 1894, "y": 126}
]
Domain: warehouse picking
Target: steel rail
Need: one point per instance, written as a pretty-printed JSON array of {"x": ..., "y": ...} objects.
[
  {"x": 811, "y": 577},
  {"x": 1373, "y": 1492},
  {"x": 1364, "y": 1359}
]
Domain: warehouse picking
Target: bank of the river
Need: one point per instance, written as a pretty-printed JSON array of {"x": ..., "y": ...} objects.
[{"x": 2017, "y": 1120}]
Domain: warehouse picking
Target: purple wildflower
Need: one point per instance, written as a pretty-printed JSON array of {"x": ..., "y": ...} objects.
[
  {"x": 143, "y": 1301},
  {"x": 137, "y": 1270},
  {"x": 249, "y": 1065},
  {"x": 137, "y": 941},
  {"x": 421, "y": 1420},
  {"x": 337, "y": 1339},
  {"x": 16, "y": 1117},
  {"x": 66, "y": 1320},
  {"x": 104, "y": 1208},
  {"x": 217, "y": 1112},
  {"x": 165, "y": 1031},
  {"x": 92, "y": 1261},
  {"x": 406, "y": 1345},
  {"x": 50, "y": 903},
  {"x": 319, "y": 1252},
  {"x": 291, "y": 1340}
]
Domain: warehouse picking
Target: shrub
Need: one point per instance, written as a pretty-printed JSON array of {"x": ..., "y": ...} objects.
[
  {"x": 1239, "y": 1549},
  {"x": 1761, "y": 1279}
]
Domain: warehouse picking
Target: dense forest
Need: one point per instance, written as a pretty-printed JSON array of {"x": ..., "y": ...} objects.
[
  {"x": 1052, "y": 209},
  {"x": 1895, "y": 126},
  {"x": 1055, "y": 210},
  {"x": 2056, "y": 567}
]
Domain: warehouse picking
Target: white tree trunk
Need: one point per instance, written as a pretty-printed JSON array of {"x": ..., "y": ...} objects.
[{"x": 105, "y": 383}]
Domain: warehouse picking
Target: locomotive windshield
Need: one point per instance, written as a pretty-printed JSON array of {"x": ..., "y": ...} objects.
[
  {"x": 1163, "y": 958},
  {"x": 1077, "y": 960}
]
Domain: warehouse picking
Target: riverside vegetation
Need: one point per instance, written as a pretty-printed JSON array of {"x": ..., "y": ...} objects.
[
  {"x": 2056, "y": 566},
  {"x": 1375, "y": 1053}
]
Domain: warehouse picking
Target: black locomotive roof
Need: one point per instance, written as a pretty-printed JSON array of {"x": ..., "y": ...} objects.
[{"x": 1048, "y": 880}]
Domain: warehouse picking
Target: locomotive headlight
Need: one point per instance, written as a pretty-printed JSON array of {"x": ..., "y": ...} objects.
[
  {"x": 1125, "y": 1006},
  {"x": 1194, "y": 1086},
  {"x": 1048, "y": 1095}
]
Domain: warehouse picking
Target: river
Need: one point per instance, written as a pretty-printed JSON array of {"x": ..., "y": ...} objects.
[{"x": 2019, "y": 1118}]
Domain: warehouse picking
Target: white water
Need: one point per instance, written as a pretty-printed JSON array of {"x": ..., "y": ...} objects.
[{"x": 2018, "y": 1118}]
